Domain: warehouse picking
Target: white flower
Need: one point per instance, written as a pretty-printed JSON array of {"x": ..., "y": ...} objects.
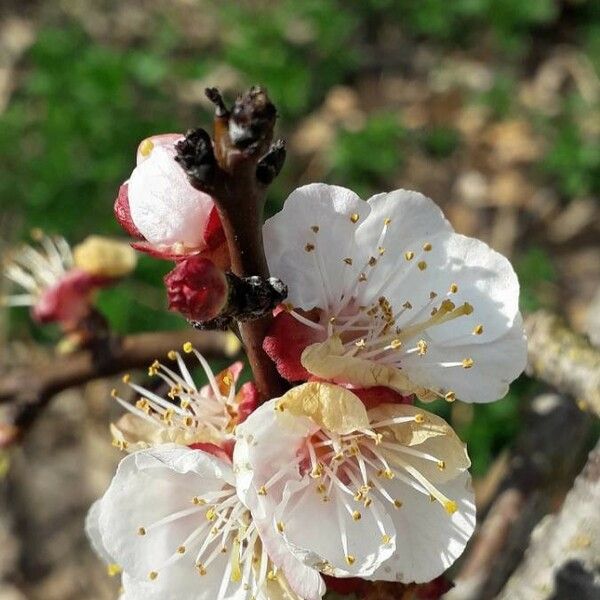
[
  {"x": 37, "y": 269},
  {"x": 382, "y": 495},
  {"x": 172, "y": 521},
  {"x": 402, "y": 299},
  {"x": 163, "y": 205},
  {"x": 188, "y": 414},
  {"x": 58, "y": 283}
]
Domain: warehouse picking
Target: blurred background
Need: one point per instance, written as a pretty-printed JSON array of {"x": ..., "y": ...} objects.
[{"x": 492, "y": 108}]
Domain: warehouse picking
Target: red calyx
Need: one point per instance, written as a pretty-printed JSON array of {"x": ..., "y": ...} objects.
[
  {"x": 197, "y": 289},
  {"x": 285, "y": 342},
  {"x": 123, "y": 214}
]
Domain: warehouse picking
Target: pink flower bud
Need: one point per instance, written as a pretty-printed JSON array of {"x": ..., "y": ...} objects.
[
  {"x": 197, "y": 289},
  {"x": 163, "y": 205}
]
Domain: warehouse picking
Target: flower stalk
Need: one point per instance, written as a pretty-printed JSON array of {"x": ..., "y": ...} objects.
[{"x": 235, "y": 168}]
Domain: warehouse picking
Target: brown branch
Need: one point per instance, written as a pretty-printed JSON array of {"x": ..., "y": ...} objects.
[
  {"x": 27, "y": 391},
  {"x": 562, "y": 561},
  {"x": 564, "y": 359},
  {"x": 235, "y": 168},
  {"x": 544, "y": 462}
]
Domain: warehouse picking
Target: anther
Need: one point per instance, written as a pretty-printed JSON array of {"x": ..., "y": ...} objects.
[
  {"x": 126, "y": 378},
  {"x": 372, "y": 261},
  {"x": 152, "y": 575},
  {"x": 422, "y": 347},
  {"x": 381, "y": 250},
  {"x": 419, "y": 418},
  {"x": 354, "y": 217},
  {"x": 385, "y": 539},
  {"x": 181, "y": 550},
  {"x": 397, "y": 503},
  {"x": 309, "y": 247},
  {"x": 395, "y": 344},
  {"x": 387, "y": 221},
  {"x": 450, "y": 506},
  {"x": 280, "y": 526},
  {"x": 172, "y": 355},
  {"x": 141, "y": 531},
  {"x": 450, "y": 396},
  {"x": 441, "y": 465},
  {"x": 467, "y": 363},
  {"x": 409, "y": 255},
  {"x": 422, "y": 265},
  {"x": 315, "y": 228},
  {"x": 146, "y": 146},
  {"x": 262, "y": 491},
  {"x": 350, "y": 559},
  {"x": 362, "y": 277},
  {"x": 454, "y": 288},
  {"x": 356, "y": 515},
  {"x": 348, "y": 260},
  {"x": 427, "y": 247},
  {"x": 478, "y": 330},
  {"x": 188, "y": 347}
]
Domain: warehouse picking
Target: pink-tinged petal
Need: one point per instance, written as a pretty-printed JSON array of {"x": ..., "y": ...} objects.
[
  {"x": 373, "y": 397},
  {"x": 164, "y": 206},
  {"x": 218, "y": 255},
  {"x": 222, "y": 452},
  {"x": 174, "y": 252},
  {"x": 197, "y": 289},
  {"x": 68, "y": 300},
  {"x": 123, "y": 214},
  {"x": 248, "y": 402},
  {"x": 285, "y": 342}
]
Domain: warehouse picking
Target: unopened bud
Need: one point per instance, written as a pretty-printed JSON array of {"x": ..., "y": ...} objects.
[{"x": 197, "y": 289}]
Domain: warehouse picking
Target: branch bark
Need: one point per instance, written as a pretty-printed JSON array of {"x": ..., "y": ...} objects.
[
  {"x": 27, "y": 391},
  {"x": 235, "y": 169},
  {"x": 564, "y": 359},
  {"x": 562, "y": 561},
  {"x": 544, "y": 462}
]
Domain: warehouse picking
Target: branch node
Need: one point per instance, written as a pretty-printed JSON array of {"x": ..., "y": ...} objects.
[{"x": 271, "y": 164}]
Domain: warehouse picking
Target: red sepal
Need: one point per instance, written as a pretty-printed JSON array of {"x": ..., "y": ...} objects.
[
  {"x": 374, "y": 396},
  {"x": 285, "y": 342}
]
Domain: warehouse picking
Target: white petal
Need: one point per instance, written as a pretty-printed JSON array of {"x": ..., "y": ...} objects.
[
  {"x": 267, "y": 443},
  {"x": 428, "y": 539},
  {"x": 495, "y": 365},
  {"x": 317, "y": 277},
  {"x": 164, "y": 206},
  {"x": 412, "y": 219},
  {"x": 92, "y": 530},
  {"x": 167, "y": 140},
  {"x": 150, "y": 485},
  {"x": 314, "y": 529}
]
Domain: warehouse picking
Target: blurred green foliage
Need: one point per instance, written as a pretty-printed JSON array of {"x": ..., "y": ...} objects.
[{"x": 364, "y": 159}]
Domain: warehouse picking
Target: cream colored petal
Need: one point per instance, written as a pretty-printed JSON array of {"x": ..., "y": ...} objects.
[
  {"x": 105, "y": 257},
  {"x": 132, "y": 433},
  {"x": 428, "y": 434},
  {"x": 326, "y": 360},
  {"x": 330, "y": 406}
]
